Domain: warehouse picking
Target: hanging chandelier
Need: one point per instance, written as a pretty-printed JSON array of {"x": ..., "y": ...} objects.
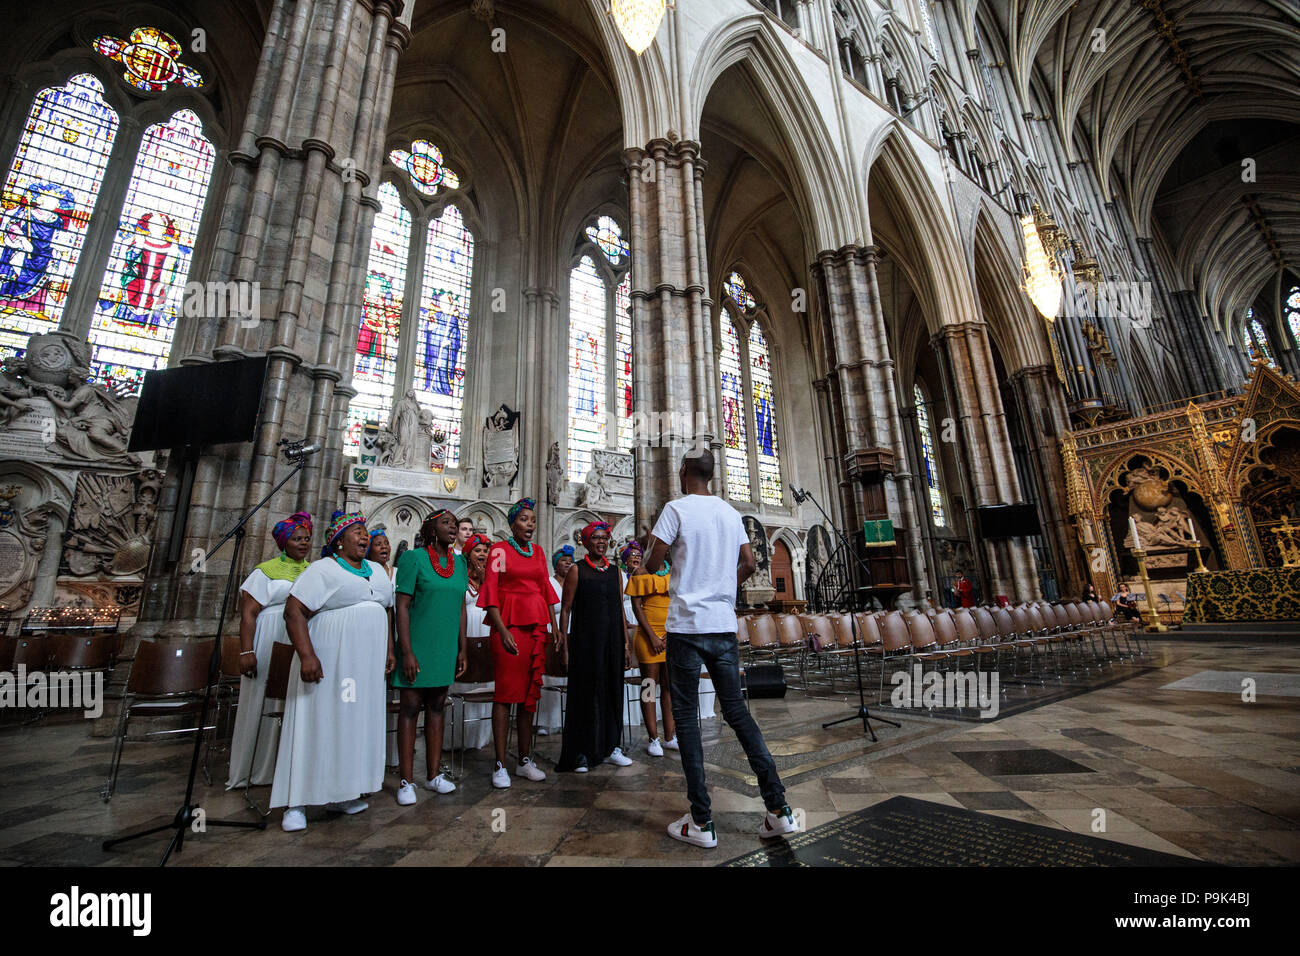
[
  {"x": 638, "y": 21},
  {"x": 1042, "y": 274}
]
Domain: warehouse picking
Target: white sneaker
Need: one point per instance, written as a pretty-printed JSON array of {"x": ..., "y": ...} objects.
[
  {"x": 295, "y": 818},
  {"x": 542, "y": 731},
  {"x": 406, "y": 794},
  {"x": 500, "y": 778},
  {"x": 654, "y": 748},
  {"x": 347, "y": 806},
  {"x": 778, "y": 824},
  {"x": 687, "y": 831},
  {"x": 618, "y": 759},
  {"x": 671, "y": 744},
  {"x": 529, "y": 770},
  {"x": 441, "y": 784}
]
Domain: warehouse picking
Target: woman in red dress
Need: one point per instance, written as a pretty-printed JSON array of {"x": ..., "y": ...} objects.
[{"x": 517, "y": 596}]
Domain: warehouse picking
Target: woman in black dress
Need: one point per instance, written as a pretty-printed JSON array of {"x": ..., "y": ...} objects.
[{"x": 597, "y": 652}]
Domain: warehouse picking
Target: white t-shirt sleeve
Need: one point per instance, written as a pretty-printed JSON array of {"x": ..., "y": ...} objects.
[
  {"x": 669, "y": 524},
  {"x": 258, "y": 586},
  {"x": 316, "y": 585}
]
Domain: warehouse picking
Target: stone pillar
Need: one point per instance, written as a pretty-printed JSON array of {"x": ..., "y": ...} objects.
[
  {"x": 674, "y": 396},
  {"x": 987, "y": 451},
  {"x": 295, "y": 217}
]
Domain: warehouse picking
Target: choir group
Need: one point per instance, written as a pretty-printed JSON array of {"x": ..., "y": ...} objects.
[{"x": 360, "y": 628}]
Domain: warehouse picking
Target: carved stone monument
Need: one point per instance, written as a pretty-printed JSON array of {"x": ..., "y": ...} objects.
[
  {"x": 110, "y": 530},
  {"x": 554, "y": 475},
  {"x": 758, "y": 589},
  {"x": 609, "y": 481},
  {"x": 501, "y": 449},
  {"x": 23, "y": 529},
  {"x": 407, "y": 440}
]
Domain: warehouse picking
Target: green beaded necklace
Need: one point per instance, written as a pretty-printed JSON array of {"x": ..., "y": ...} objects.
[{"x": 515, "y": 544}]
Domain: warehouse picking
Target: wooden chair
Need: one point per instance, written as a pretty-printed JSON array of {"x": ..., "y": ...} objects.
[
  {"x": 277, "y": 692},
  {"x": 764, "y": 638},
  {"x": 792, "y": 639},
  {"x": 32, "y": 652},
  {"x": 895, "y": 642},
  {"x": 823, "y": 649},
  {"x": 167, "y": 680}
]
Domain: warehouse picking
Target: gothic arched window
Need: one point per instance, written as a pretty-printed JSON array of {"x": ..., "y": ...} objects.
[
  {"x": 750, "y": 441},
  {"x": 600, "y": 377},
  {"x": 48, "y": 197},
  {"x": 929, "y": 460},
  {"x": 444, "y": 326},
  {"x": 1255, "y": 339},
  {"x": 143, "y": 286},
  {"x": 374, "y": 373},
  {"x": 1292, "y": 306}
]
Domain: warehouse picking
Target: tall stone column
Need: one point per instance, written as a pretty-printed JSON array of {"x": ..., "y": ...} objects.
[
  {"x": 674, "y": 397},
  {"x": 295, "y": 218},
  {"x": 987, "y": 450},
  {"x": 872, "y": 452}
]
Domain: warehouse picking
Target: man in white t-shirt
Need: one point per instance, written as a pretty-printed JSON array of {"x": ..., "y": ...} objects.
[{"x": 710, "y": 557}]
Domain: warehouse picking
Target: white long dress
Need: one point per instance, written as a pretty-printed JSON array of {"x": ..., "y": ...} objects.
[
  {"x": 332, "y": 745},
  {"x": 549, "y": 716},
  {"x": 479, "y": 732},
  {"x": 271, "y": 594}
]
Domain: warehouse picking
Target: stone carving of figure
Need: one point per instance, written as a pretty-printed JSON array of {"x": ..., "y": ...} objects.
[
  {"x": 594, "y": 491},
  {"x": 14, "y": 399},
  {"x": 554, "y": 475},
  {"x": 96, "y": 425},
  {"x": 1169, "y": 529},
  {"x": 410, "y": 432}
]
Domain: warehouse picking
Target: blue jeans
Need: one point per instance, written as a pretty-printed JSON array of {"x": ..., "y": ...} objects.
[{"x": 718, "y": 654}]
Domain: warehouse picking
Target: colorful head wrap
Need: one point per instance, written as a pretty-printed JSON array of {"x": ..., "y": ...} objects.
[
  {"x": 592, "y": 528},
  {"x": 523, "y": 504},
  {"x": 564, "y": 552},
  {"x": 377, "y": 530},
  {"x": 340, "y": 521},
  {"x": 284, "y": 530},
  {"x": 632, "y": 547},
  {"x": 473, "y": 541}
]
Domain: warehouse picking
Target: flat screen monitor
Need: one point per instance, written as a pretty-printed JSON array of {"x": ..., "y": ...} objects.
[
  {"x": 196, "y": 405},
  {"x": 1008, "y": 521}
]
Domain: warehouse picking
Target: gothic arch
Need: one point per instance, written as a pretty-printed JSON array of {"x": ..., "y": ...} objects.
[{"x": 1011, "y": 318}]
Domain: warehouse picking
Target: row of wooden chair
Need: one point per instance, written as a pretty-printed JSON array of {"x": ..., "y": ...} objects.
[{"x": 1050, "y": 640}]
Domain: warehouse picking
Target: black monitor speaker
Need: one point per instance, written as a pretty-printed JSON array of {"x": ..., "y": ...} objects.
[
  {"x": 196, "y": 405},
  {"x": 1008, "y": 521}
]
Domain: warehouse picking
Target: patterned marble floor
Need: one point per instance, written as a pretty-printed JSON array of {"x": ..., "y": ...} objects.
[{"x": 1193, "y": 772}]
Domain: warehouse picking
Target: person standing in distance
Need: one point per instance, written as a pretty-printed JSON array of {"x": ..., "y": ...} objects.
[{"x": 710, "y": 558}]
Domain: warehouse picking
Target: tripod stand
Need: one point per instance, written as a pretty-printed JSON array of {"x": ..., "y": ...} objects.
[
  {"x": 189, "y": 812},
  {"x": 851, "y": 559}
]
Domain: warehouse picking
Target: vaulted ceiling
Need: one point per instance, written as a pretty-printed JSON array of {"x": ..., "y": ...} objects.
[{"x": 1139, "y": 81}]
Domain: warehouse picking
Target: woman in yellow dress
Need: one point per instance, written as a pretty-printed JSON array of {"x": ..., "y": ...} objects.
[{"x": 649, "y": 594}]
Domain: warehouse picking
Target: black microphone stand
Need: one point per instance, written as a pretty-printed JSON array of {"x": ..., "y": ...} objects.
[
  {"x": 190, "y": 812},
  {"x": 861, "y": 713}
]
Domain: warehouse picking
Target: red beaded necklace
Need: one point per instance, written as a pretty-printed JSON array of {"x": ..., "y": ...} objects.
[
  {"x": 451, "y": 562},
  {"x": 593, "y": 566}
]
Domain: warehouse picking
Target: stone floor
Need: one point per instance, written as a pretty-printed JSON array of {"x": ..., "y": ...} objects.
[{"x": 1198, "y": 773}]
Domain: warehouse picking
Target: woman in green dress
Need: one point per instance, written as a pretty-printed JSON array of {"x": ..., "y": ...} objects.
[{"x": 430, "y": 619}]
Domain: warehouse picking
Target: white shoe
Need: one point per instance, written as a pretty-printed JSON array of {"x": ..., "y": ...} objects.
[
  {"x": 778, "y": 824},
  {"x": 406, "y": 794},
  {"x": 347, "y": 806},
  {"x": 441, "y": 784},
  {"x": 687, "y": 831},
  {"x": 500, "y": 778},
  {"x": 654, "y": 748},
  {"x": 529, "y": 770},
  {"x": 295, "y": 818},
  {"x": 671, "y": 744},
  {"x": 542, "y": 731},
  {"x": 618, "y": 759}
]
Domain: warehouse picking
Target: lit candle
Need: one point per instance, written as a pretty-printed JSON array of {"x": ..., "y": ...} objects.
[
  {"x": 1192, "y": 528},
  {"x": 1132, "y": 526}
]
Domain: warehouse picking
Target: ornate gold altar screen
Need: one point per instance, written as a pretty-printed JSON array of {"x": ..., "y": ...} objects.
[{"x": 1224, "y": 473}]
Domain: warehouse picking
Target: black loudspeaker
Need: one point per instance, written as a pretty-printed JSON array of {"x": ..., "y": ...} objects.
[{"x": 763, "y": 681}]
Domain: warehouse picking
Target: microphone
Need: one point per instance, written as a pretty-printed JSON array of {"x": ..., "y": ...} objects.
[
  {"x": 800, "y": 496},
  {"x": 297, "y": 451}
]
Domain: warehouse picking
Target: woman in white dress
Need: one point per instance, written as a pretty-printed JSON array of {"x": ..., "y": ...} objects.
[
  {"x": 339, "y": 619},
  {"x": 475, "y": 549},
  {"x": 549, "y": 712},
  {"x": 261, "y": 625}
]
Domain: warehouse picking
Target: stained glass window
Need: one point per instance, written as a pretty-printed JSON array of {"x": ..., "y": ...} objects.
[
  {"x": 609, "y": 239},
  {"x": 1255, "y": 338},
  {"x": 623, "y": 360},
  {"x": 151, "y": 58},
  {"x": 735, "y": 287},
  {"x": 586, "y": 366},
  {"x": 375, "y": 372},
  {"x": 733, "y": 413},
  {"x": 144, "y": 284},
  {"x": 1293, "y": 315},
  {"x": 48, "y": 197},
  {"x": 426, "y": 167},
  {"x": 444, "y": 327},
  {"x": 929, "y": 461},
  {"x": 760, "y": 373}
]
